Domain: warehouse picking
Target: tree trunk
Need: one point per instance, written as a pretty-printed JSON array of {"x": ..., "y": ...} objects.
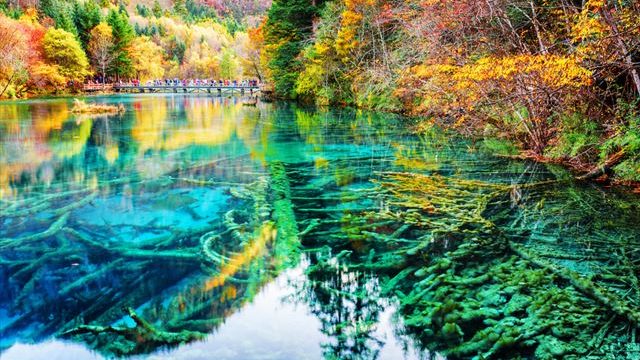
[
  {"x": 257, "y": 69},
  {"x": 8, "y": 83},
  {"x": 622, "y": 47},
  {"x": 536, "y": 27}
]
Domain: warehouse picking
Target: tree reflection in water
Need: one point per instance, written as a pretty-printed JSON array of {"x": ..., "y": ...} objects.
[
  {"x": 117, "y": 217},
  {"x": 348, "y": 306}
]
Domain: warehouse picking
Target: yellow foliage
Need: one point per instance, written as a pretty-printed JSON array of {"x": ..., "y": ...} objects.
[
  {"x": 587, "y": 25},
  {"x": 213, "y": 33},
  {"x": 45, "y": 76},
  {"x": 464, "y": 87},
  {"x": 352, "y": 18},
  {"x": 30, "y": 15},
  {"x": 147, "y": 58},
  {"x": 552, "y": 71},
  {"x": 63, "y": 49},
  {"x": 314, "y": 76}
]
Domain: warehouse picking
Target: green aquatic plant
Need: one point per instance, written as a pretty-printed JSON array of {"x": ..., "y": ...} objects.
[
  {"x": 489, "y": 293},
  {"x": 453, "y": 250},
  {"x": 499, "y": 147},
  {"x": 475, "y": 257},
  {"x": 286, "y": 250}
]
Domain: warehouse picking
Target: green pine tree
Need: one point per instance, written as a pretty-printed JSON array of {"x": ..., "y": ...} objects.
[
  {"x": 288, "y": 26},
  {"x": 123, "y": 34},
  {"x": 61, "y": 12},
  {"x": 47, "y": 8},
  {"x": 86, "y": 16},
  {"x": 179, "y": 8},
  {"x": 157, "y": 9},
  {"x": 64, "y": 18}
]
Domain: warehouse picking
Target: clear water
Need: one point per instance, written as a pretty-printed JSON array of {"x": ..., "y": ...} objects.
[{"x": 174, "y": 209}]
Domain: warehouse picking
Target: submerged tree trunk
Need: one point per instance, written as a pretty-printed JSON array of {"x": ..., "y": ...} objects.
[{"x": 605, "y": 168}]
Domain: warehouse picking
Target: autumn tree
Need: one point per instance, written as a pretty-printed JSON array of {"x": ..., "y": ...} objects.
[
  {"x": 251, "y": 45},
  {"x": 14, "y": 50},
  {"x": 46, "y": 78},
  {"x": 159, "y": 45},
  {"x": 228, "y": 65},
  {"x": 519, "y": 94},
  {"x": 607, "y": 35},
  {"x": 147, "y": 58},
  {"x": 42, "y": 78},
  {"x": 201, "y": 61},
  {"x": 325, "y": 77},
  {"x": 101, "y": 48},
  {"x": 62, "y": 49}
]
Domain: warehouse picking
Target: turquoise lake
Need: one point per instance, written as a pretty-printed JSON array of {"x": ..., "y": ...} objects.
[{"x": 194, "y": 227}]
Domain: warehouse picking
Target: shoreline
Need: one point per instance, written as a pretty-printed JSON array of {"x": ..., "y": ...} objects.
[
  {"x": 57, "y": 96},
  {"x": 580, "y": 172}
]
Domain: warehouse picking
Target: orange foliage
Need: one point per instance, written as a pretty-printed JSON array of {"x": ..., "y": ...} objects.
[{"x": 352, "y": 17}]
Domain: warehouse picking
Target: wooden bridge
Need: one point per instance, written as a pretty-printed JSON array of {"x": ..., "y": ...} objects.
[
  {"x": 265, "y": 90},
  {"x": 209, "y": 89}
]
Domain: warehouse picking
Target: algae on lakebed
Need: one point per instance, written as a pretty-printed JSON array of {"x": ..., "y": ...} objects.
[
  {"x": 164, "y": 222},
  {"x": 487, "y": 268}
]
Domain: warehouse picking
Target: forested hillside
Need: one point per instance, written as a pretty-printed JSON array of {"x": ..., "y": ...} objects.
[
  {"x": 53, "y": 46},
  {"x": 558, "y": 79}
]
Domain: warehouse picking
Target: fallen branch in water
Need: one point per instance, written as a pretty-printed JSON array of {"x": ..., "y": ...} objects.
[
  {"x": 143, "y": 334},
  {"x": 52, "y": 230},
  {"x": 312, "y": 226},
  {"x": 606, "y": 168},
  {"x": 584, "y": 285}
]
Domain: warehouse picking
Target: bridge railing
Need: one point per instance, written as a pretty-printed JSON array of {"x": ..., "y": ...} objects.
[
  {"x": 180, "y": 87},
  {"x": 207, "y": 86},
  {"x": 97, "y": 87}
]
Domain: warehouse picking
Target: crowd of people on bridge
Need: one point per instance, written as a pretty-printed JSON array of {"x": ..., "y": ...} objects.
[{"x": 193, "y": 82}]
